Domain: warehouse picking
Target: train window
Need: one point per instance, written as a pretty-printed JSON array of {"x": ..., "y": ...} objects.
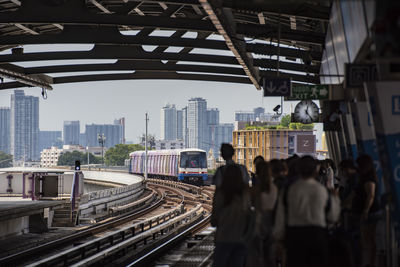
[{"x": 193, "y": 160}]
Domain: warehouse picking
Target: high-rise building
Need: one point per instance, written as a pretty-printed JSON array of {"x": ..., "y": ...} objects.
[
  {"x": 71, "y": 132},
  {"x": 5, "y": 130},
  {"x": 83, "y": 140},
  {"x": 197, "y": 123},
  {"x": 212, "y": 116},
  {"x": 222, "y": 134},
  {"x": 112, "y": 133},
  {"x": 168, "y": 122},
  {"x": 212, "y": 122},
  {"x": 121, "y": 122},
  {"x": 258, "y": 111},
  {"x": 179, "y": 124},
  {"x": 24, "y": 127},
  {"x": 48, "y": 139},
  {"x": 185, "y": 131},
  {"x": 244, "y": 116}
]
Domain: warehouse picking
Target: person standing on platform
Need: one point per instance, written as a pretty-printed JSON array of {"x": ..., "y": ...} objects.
[
  {"x": 229, "y": 215},
  {"x": 365, "y": 208},
  {"x": 227, "y": 152},
  {"x": 264, "y": 198},
  {"x": 304, "y": 210},
  {"x": 253, "y": 175}
]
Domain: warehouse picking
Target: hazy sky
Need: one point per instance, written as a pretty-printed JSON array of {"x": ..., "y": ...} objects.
[{"x": 102, "y": 102}]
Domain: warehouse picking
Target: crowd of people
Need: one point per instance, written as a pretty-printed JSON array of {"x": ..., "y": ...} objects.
[{"x": 297, "y": 211}]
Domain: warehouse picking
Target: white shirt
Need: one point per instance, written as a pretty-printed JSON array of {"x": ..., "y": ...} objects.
[{"x": 306, "y": 203}]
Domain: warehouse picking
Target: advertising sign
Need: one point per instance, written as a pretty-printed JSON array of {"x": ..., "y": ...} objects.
[{"x": 365, "y": 135}]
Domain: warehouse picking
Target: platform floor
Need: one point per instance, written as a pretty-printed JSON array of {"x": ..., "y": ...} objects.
[{"x": 19, "y": 207}]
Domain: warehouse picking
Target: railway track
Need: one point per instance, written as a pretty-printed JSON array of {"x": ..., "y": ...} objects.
[{"x": 181, "y": 210}]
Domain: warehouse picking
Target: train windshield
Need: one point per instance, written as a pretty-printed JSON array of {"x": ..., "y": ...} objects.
[{"x": 193, "y": 160}]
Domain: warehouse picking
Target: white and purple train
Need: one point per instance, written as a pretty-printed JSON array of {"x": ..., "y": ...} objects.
[{"x": 186, "y": 165}]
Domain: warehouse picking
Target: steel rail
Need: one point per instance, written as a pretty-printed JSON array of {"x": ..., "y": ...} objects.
[{"x": 29, "y": 253}]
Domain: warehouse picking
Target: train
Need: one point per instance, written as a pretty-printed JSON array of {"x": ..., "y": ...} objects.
[{"x": 185, "y": 165}]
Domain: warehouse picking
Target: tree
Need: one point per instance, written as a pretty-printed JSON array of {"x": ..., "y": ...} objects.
[
  {"x": 117, "y": 155},
  {"x": 285, "y": 121},
  {"x": 69, "y": 158},
  {"x": 5, "y": 160}
]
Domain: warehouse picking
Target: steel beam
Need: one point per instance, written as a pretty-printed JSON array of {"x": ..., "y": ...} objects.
[
  {"x": 222, "y": 20},
  {"x": 265, "y": 49},
  {"x": 30, "y": 80},
  {"x": 75, "y": 12},
  {"x": 272, "y": 64},
  {"x": 265, "y": 31},
  {"x": 126, "y": 65},
  {"x": 151, "y": 75},
  {"x": 117, "y": 52},
  {"x": 295, "y": 8},
  {"x": 294, "y": 77}
]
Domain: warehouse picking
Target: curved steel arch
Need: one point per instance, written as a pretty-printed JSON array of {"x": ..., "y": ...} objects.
[{"x": 102, "y": 22}]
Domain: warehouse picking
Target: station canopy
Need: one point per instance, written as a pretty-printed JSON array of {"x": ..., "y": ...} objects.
[{"x": 208, "y": 40}]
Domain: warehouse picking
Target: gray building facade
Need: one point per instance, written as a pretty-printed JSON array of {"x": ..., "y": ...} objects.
[
  {"x": 5, "y": 130},
  {"x": 24, "y": 127},
  {"x": 71, "y": 131},
  {"x": 168, "y": 122},
  {"x": 112, "y": 133},
  {"x": 47, "y": 139},
  {"x": 197, "y": 123},
  {"x": 222, "y": 134},
  {"x": 179, "y": 124}
]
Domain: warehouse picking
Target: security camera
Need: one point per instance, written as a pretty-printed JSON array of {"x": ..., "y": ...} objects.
[{"x": 277, "y": 108}]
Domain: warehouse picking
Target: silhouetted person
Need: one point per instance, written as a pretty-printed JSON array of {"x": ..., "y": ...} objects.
[
  {"x": 366, "y": 208},
  {"x": 279, "y": 172},
  {"x": 303, "y": 212},
  {"x": 227, "y": 153},
  {"x": 264, "y": 195},
  {"x": 230, "y": 216},
  {"x": 258, "y": 159}
]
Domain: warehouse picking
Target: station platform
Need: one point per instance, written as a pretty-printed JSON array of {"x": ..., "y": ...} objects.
[
  {"x": 112, "y": 177},
  {"x": 21, "y": 216},
  {"x": 11, "y": 207}
]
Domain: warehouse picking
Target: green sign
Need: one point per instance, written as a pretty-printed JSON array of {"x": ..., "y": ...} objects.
[{"x": 305, "y": 92}]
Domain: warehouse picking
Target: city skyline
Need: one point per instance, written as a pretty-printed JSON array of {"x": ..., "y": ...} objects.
[{"x": 58, "y": 106}]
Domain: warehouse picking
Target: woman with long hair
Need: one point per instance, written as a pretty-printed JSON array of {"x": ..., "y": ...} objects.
[
  {"x": 230, "y": 211},
  {"x": 366, "y": 208},
  {"x": 267, "y": 192}
]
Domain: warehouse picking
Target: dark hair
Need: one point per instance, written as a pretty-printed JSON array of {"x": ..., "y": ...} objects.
[
  {"x": 347, "y": 164},
  {"x": 232, "y": 183},
  {"x": 264, "y": 175},
  {"x": 292, "y": 163},
  {"x": 227, "y": 151},
  {"x": 366, "y": 168},
  {"x": 258, "y": 158},
  {"x": 278, "y": 166},
  {"x": 307, "y": 167}
]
